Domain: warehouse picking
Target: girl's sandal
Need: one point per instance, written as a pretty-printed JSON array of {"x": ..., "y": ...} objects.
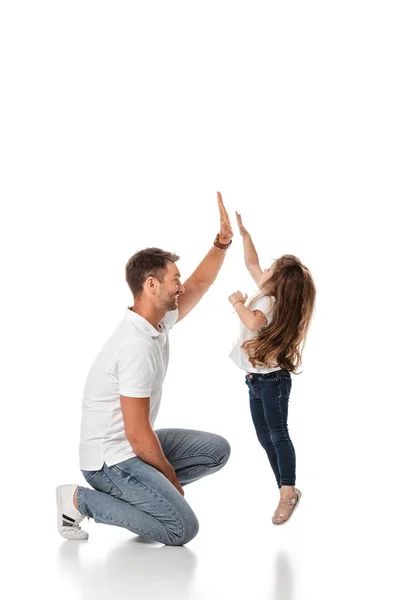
[{"x": 292, "y": 502}]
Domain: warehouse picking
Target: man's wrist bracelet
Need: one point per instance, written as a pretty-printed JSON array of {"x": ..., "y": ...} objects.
[{"x": 218, "y": 244}]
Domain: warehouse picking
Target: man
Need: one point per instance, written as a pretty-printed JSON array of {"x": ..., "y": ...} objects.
[{"x": 137, "y": 473}]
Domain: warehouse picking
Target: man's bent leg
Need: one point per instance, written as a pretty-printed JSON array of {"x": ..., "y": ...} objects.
[
  {"x": 193, "y": 454},
  {"x": 134, "y": 495}
]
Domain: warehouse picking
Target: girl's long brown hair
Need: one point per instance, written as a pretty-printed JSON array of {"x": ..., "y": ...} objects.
[{"x": 282, "y": 341}]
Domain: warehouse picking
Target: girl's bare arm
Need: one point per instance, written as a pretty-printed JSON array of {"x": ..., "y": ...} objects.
[{"x": 250, "y": 253}]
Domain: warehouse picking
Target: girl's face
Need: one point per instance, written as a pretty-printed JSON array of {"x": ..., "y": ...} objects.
[{"x": 267, "y": 274}]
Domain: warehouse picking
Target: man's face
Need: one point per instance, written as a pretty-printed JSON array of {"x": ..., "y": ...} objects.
[{"x": 170, "y": 289}]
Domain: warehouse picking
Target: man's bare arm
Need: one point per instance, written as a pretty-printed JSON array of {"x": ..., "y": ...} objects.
[
  {"x": 200, "y": 281},
  {"x": 141, "y": 436},
  {"x": 206, "y": 273}
]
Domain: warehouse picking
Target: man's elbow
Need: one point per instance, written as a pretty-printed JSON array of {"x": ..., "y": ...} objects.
[{"x": 138, "y": 436}]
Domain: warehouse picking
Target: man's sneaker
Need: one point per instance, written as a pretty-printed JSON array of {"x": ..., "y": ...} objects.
[{"x": 68, "y": 517}]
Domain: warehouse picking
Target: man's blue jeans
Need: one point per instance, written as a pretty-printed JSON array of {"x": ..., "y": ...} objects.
[
  {"x": 269, "y": 399},
  {"x": 135, "y": 495}
]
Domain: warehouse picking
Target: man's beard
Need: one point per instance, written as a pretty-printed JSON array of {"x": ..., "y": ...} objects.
[{"x": 169, "y": 304}]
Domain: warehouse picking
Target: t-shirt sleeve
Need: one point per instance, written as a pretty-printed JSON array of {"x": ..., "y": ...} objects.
[
  {"x": 264, "y": 304},
  {"x": 171, "y": 318},
  {"x": 137, "y": 366}
]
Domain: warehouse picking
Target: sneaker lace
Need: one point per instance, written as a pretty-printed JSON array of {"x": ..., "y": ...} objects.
[{"x": 78, "y": 520}]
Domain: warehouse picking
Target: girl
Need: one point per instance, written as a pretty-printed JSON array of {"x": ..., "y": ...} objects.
[{"x": 272, "y": 333}]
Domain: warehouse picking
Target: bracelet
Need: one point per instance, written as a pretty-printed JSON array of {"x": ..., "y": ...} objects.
[
  {"x": 237, "y": 302},
  {"x": 218, "y": 244}
]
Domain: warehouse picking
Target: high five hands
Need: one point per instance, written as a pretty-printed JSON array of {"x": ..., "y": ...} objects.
[
  {"x": 225, "y": 232},
  {"x": 242, "y": 229},
  {"x": 226, "y": 235}
]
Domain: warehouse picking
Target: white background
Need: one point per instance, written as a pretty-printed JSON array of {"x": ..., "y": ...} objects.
[{"x": 119, "y": 122}]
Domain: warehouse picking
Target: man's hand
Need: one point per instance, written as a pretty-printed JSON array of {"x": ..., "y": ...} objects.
[
  {"x": 226, "y": 232},
  {"x": 236, "y": 296},
  {"x": 205, "y": 274},
  {"x": 242, "y": 229},
  {"x": 173, "y": 478}
]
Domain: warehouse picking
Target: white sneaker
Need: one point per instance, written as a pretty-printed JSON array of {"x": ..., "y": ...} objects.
[{"x": 68, "y": 517}]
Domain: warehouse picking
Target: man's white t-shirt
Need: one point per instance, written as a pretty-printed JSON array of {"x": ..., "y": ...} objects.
[
  {"x": 133, "y": 362},
  {"x": 265, "y": 304}
]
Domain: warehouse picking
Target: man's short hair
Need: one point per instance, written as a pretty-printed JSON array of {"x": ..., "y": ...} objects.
[{"x": 151, "y": 262}]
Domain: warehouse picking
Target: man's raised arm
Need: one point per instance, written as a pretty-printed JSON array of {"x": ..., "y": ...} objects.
[{"x": 206, "y": 273}]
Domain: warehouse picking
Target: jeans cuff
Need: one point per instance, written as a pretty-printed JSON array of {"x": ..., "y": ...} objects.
[{"x": 82, "y": 507}]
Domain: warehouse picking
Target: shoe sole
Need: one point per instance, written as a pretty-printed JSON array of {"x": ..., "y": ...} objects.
[{"x": 298, "y": 492}]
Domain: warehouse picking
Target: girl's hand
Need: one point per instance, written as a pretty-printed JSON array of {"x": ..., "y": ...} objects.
[
  {"x": 225, "y": 232},
  {"x": 242, "y": 229},
  {"x": 236, "y": 296}
]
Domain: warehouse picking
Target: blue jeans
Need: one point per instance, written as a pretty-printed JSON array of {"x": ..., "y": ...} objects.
[
  {"x": 269, "y": 399},
  {"x": 134, "y": 495}
]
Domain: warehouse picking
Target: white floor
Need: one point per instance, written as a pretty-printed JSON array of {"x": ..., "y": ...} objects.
[
  {"x": 237, "y": 553},
  {"x": 343, "y": 541}
]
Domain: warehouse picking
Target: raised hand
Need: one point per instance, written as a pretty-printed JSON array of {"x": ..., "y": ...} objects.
[
  {"x": 226, "y": 231},
  {"x": 242, "y": 229}
]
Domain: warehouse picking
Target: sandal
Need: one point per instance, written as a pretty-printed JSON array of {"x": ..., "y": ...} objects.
[{"x": 293, "y": 502}]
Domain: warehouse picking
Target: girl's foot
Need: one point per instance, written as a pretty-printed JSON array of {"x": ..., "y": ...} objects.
[{"x": 286, "y": 508}]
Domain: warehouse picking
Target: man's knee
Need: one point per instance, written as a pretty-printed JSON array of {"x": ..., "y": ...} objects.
[
  {"x": 185, "y": 530},
  {"x": 224, "y": 450},
  {"x": 190, "y": 529}
]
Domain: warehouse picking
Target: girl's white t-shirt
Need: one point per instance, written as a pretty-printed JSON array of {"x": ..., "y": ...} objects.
[{"x": 264, "y": 304}]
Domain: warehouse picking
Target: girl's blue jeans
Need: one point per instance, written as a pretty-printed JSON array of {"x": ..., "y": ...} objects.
[{"x": 269, "y": 399}]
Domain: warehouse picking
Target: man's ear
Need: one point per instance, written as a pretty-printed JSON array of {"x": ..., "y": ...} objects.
[{"x": 150, "y": 284}]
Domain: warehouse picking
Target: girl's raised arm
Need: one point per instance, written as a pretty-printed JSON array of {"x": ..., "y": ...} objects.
[{"x": 250, "y": 253}]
